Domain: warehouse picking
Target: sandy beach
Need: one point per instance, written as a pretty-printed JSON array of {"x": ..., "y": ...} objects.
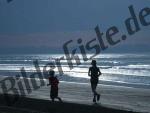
[
  {"x": 80, "y": 95},
  {"x": 28, "y": 105}
]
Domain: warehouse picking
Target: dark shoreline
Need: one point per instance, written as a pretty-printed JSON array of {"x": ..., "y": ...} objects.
[{"x": 30, "y": 105}]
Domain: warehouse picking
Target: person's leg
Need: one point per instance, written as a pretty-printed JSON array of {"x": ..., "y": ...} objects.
[
  {"x": 92, "y": 86},
  {"x": 59, "y": 99},
  {"x": 53, "y": 99},
  {"x": 94, "y": 93},
  {"x": 97, "y": 95},
  {"x": 93, "y": 90},
  {"x": 52, "y": 94}
]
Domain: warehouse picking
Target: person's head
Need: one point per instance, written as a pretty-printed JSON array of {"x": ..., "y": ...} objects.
[
  {"x": 93, "y": 62},
  {"x": 52, "y": 73}
]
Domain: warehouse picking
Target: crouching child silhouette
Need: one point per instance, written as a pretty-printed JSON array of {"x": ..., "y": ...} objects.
[{"x": 53, "y": 82}]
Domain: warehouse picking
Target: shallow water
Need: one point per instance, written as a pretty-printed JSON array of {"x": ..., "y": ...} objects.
[{"x": 115, "y": 68}]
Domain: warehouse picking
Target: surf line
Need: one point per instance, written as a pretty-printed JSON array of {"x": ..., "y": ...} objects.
[{"x": 132, "y": 26}]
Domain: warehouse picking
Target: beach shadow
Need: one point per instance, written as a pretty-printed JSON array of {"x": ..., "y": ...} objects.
[
  {"x": 41, "y": 106},
  {"x": 96, "y": 104}
]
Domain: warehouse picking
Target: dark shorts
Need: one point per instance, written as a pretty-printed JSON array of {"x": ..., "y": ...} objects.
[
  {"x": 54, "y": 92},
  {"x": 94, "y": 81}
]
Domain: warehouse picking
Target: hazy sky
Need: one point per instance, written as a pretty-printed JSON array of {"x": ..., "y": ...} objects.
[{"x": 27, "y": 25}]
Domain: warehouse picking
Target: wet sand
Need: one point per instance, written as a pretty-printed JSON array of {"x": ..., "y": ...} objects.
[{"x": 77, "y": 98}]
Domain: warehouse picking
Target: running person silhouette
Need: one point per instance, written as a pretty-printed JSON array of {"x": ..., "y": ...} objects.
[
  {"x": 94, "y": 73},
  {"x": 53, "y": 81}
]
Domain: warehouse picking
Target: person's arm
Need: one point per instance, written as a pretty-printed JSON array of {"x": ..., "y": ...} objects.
[
  {"x": 49, "y": 83},
  {"x": 89, "y": 73},
  {"x": 57, "y": 81},
  {"x": 99, "y": 72}
]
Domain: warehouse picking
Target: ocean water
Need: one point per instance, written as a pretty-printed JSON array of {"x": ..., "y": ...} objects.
[{"x": 117, "y": 69}]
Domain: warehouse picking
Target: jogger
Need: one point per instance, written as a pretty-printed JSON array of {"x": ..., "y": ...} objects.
[{"x": 94, "y": 73}]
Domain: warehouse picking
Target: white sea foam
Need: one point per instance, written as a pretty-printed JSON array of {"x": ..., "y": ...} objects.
[{"x": 110, "y": 64}]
